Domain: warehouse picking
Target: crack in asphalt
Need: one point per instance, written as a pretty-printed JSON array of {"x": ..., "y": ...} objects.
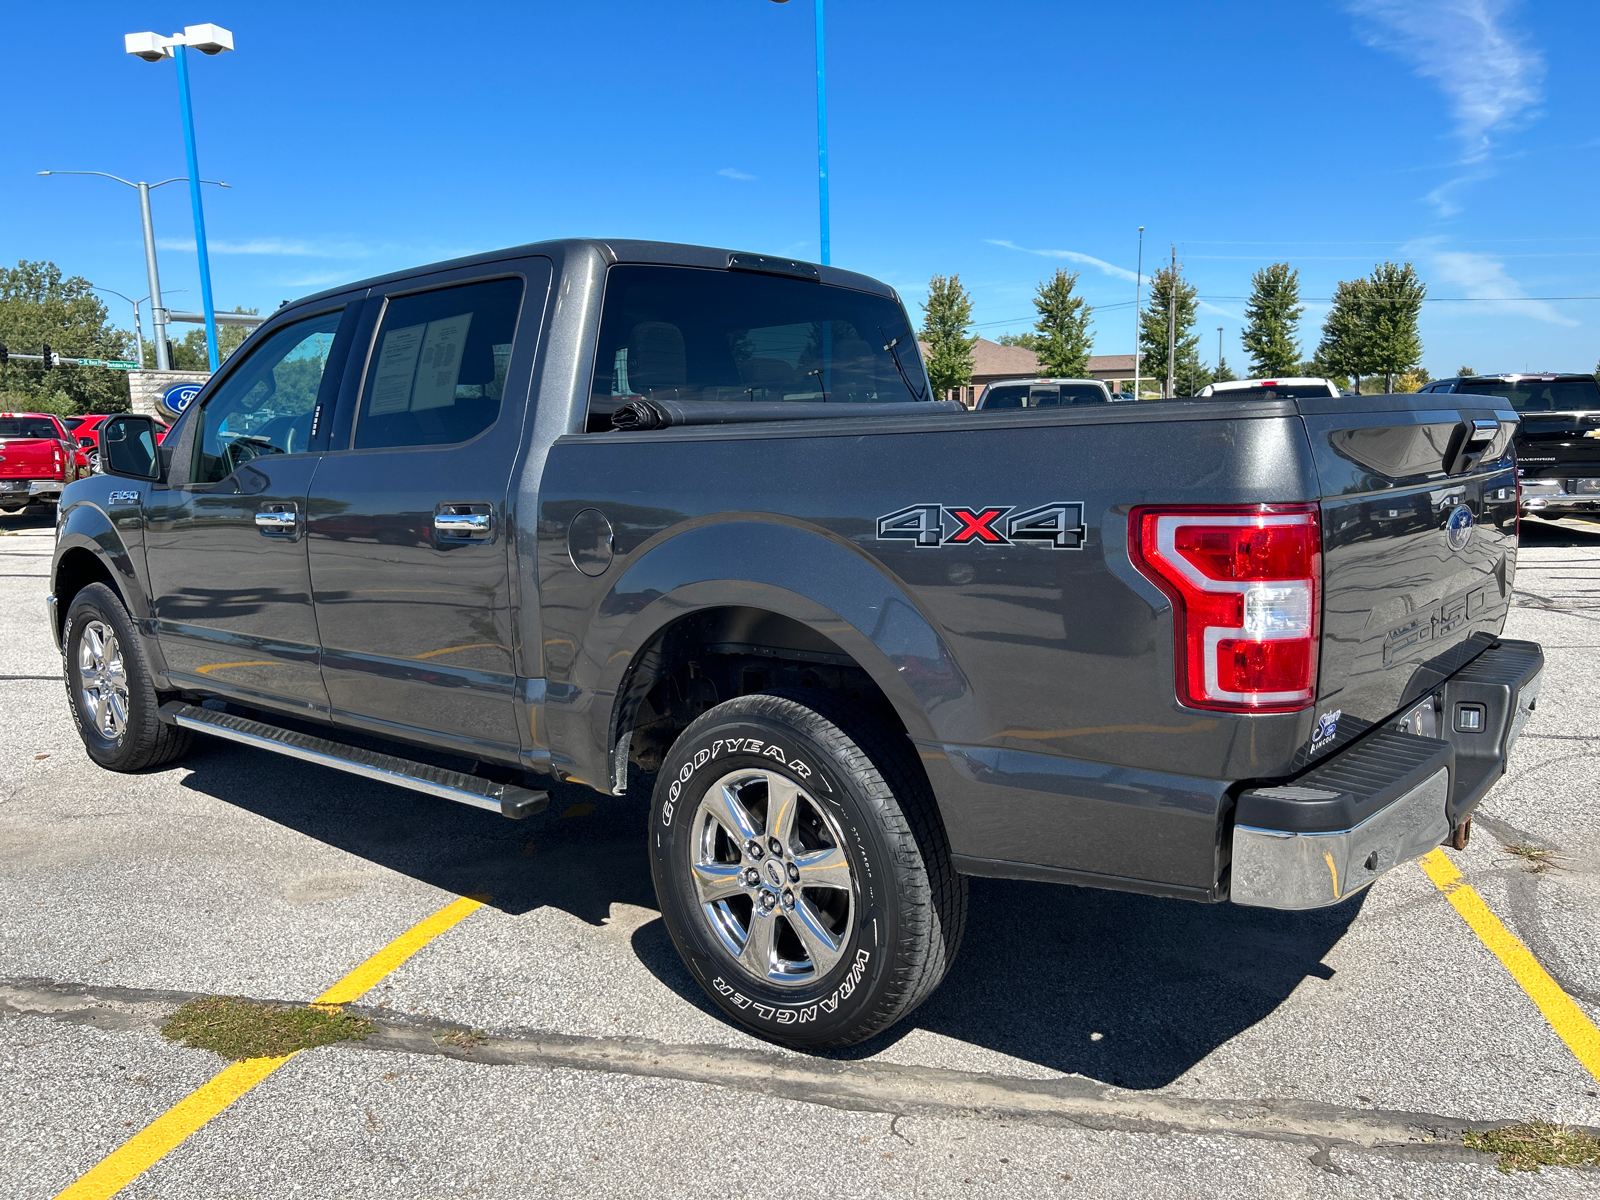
[{"x": 874, "y": 1087}]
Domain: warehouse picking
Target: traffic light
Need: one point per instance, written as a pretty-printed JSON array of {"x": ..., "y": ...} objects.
[
  {"x": 48, "y": 356},
  {"x": 5, "y": 356}
]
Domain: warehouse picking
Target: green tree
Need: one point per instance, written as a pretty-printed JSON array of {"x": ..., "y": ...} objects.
[
  {"x": 1223, "y": 373},
  {"x": 1273, "y": 321},
  {"x": 1153, "y": 325},
  {"x": 1346, "y": 347},
  {"x": 189, "y": 352},
  {"x": 1192, "y": 375},
  {"x": 1470, "y": 371},
  {"x": 1062, "y": 331},
  {"x": 39, "y": 306},
  {"x": 1028, "y": 341},
  {"x": 946, "y": 319},
  {"x": 1395, "y": 302}
]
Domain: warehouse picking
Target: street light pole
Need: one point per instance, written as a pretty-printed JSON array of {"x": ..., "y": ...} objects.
[
  {"x": 138, "y": 334},
  {"x": 822, "y": 141},
  {"x": 208, "y": 39},
  {"x": 1172, "y": 326},
  {"x": 1138, "y": 281},
  {"x": 1219, "y": 349},
  {"x": 158, "y": 314},
  {"x": 181, "y": 56}
]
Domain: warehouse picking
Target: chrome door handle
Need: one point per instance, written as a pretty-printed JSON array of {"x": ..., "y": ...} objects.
[
  {"x": 278, "y": 520},
  {"x": 462, "y": 526}
]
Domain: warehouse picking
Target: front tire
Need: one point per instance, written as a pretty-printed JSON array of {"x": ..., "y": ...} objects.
[
  {"x": 111, "y": 688},
  {"x": 802, "y": 869}
]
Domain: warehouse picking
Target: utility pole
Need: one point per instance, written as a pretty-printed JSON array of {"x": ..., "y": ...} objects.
[
  {"x": 1172, "y": 325},
  {"x": 1219, "y": 349},
  {"x": 1138, "y": 280}
]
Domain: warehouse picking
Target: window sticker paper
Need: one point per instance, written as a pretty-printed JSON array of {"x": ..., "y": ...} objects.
[
  {"x": 397, "y": 363},
  {"x": 440, "y": 362}
]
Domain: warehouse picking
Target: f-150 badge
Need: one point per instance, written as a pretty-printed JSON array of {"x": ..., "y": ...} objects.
[{"x": 1058, "y": 526}]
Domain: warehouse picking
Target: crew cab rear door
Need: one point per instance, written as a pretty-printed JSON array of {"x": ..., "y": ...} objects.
[{"x": 409, "y": 519}]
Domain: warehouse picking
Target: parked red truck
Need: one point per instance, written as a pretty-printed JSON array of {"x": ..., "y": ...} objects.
[{"x": 38, "y": 457}]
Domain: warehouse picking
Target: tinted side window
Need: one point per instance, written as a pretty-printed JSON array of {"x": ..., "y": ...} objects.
[
  {"x": 438, "y": 366},
  {"x": 265, "y": 406}
]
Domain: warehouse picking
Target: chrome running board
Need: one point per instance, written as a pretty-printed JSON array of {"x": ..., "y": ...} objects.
[{"x": 503, "y": 798}]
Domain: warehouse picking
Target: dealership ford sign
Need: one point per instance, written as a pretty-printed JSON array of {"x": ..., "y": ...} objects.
[{"x": 177, "y": 397}]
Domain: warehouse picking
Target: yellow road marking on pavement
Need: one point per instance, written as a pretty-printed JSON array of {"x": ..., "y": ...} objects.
[
  {"x": 157, "y": 1139},
  {"x": 356, "y": 984},
  {"x": 1569, "y": 1021}
]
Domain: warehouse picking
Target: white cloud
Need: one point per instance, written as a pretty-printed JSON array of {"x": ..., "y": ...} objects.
[
  {"x": 1483, "y": 277},
  {"x": 1101, "y": 265},
  {"x": 1483, "y": 66},
  {"x": 272, "y": 246},
  {"x": 734, "y": 173}
]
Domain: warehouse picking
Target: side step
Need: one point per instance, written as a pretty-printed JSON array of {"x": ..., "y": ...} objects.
[{"x": 503, "y": 798}]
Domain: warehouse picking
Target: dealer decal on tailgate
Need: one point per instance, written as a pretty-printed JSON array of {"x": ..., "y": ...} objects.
[{"x": 1058, "y": 526}]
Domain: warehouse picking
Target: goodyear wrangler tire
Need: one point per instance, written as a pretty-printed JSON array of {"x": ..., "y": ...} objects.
[
  {"x": 802, "y": 869},
  {"x": 111, "y": 687}
]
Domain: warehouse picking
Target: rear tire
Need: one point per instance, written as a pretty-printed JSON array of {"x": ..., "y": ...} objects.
[
  {"x": 111, "y": 688},
  {"x": 802, "y": 869}
]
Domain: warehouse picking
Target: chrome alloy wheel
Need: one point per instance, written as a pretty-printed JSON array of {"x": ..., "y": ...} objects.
[
  {"x": 102, "y": 680},
  {"x": 772, "y": 877}
]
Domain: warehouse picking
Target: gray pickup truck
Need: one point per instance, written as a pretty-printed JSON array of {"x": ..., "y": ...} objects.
[{"x": 549, "y": 512}]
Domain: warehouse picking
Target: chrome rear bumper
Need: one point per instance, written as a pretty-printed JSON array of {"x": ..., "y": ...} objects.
[{"x": 1389, "y": 798}]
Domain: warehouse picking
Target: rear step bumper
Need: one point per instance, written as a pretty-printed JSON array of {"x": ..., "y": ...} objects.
[
  {"x": 503, "y": 798},
  {"x": 1389, "y": 798}
]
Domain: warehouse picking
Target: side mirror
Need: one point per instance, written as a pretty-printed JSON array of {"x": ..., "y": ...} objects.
[{"x": 128, "y": 447}]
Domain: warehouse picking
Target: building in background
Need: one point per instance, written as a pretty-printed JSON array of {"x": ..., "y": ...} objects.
[{"x": 991, "y": 361}]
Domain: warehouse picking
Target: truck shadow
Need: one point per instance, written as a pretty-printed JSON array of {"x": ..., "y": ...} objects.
[{"x": 1042, "y": 971}]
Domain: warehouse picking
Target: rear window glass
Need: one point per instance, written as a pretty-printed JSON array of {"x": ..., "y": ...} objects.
[
  {"x": 1006, "y": 397},
  {"x": 1068, "y": 394},
  {"x": 688, "y": 334},
  {"x": 1287, "y": 391},
  {"x": 1540, "y": 395},
  {"x": 28, "y": 427}
]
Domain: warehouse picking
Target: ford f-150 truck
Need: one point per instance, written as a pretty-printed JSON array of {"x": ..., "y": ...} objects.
[
  {"x": 38, "y": 457},
  {"x": 555, "y": 511}
]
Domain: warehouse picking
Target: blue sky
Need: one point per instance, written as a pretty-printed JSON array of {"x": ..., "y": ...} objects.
[{"x": 996, "y": 141}]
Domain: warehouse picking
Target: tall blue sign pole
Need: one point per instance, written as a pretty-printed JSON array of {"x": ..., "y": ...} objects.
[
  {"x": 181, "y": 55},
  {"x": 822, "y": 137}
]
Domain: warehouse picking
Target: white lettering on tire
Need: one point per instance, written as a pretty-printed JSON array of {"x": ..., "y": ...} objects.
[
  {"x": 730, "y": 746},
  {"x": 784, "y": 1014}
]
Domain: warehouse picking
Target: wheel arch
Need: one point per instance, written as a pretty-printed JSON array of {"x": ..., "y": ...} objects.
[
  {"x": 90, "y": 550},
  {"x": 739, "y": 584}
]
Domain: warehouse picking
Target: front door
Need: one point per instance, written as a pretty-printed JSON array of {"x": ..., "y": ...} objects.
[
  {"x": 225, "y": 542},
  {"x": 408, "y": 538}
]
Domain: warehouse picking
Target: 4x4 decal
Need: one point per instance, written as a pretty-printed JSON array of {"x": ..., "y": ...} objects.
[{"x": 1058, "y": 526}]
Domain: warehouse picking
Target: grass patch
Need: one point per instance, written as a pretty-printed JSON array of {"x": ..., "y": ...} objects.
[
  {"x": 237, "y": 1028},
  {"x": 464, "y": 1039},
  {"x": 1535, "y": 1144},
  {"x": 1537, "y": 859}
]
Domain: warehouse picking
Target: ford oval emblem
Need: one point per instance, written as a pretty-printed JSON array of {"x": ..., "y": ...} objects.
[{"x": 1458, "y": 529}]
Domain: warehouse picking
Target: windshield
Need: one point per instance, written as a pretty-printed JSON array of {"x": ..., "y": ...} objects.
[
  {"x": 1278, "y": 391},
  {"x": 1539, "y": 395},
  {"x": 28, "y": 427},
  {"x": 688, "y": 334}
]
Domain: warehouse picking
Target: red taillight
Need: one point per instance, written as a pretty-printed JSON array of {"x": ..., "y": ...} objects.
[{"x": 1245, "y": 587}]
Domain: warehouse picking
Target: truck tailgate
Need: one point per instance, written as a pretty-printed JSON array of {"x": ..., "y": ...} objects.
[
  {"x": 30, "y": 458},
  {"x": 1419, "y": 547}
]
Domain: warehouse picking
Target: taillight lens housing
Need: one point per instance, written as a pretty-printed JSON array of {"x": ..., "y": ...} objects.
[{"x": 1245, "y": 583}]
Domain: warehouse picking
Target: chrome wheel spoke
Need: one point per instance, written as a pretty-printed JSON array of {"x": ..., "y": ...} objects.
[
  {"x": 757, "y": 953},
  {"x": 783, "y": 802},
  {"x": 117, "y": 707},
  {"x": 100, "y": 709},
  {"x": 724, "y": 804},
  {"x": 717, "y": 881},
  {"x": 825, "y": 868},
  {"x": 818, "y": 940}
]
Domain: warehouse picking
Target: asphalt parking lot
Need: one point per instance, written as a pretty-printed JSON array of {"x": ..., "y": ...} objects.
[{"x": 1086, "y": 1044}]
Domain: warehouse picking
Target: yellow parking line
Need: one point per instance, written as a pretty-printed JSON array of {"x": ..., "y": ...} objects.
[
  {"x": 157, "y": 1139},
  {"x": 1569, "y": 1021}
]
